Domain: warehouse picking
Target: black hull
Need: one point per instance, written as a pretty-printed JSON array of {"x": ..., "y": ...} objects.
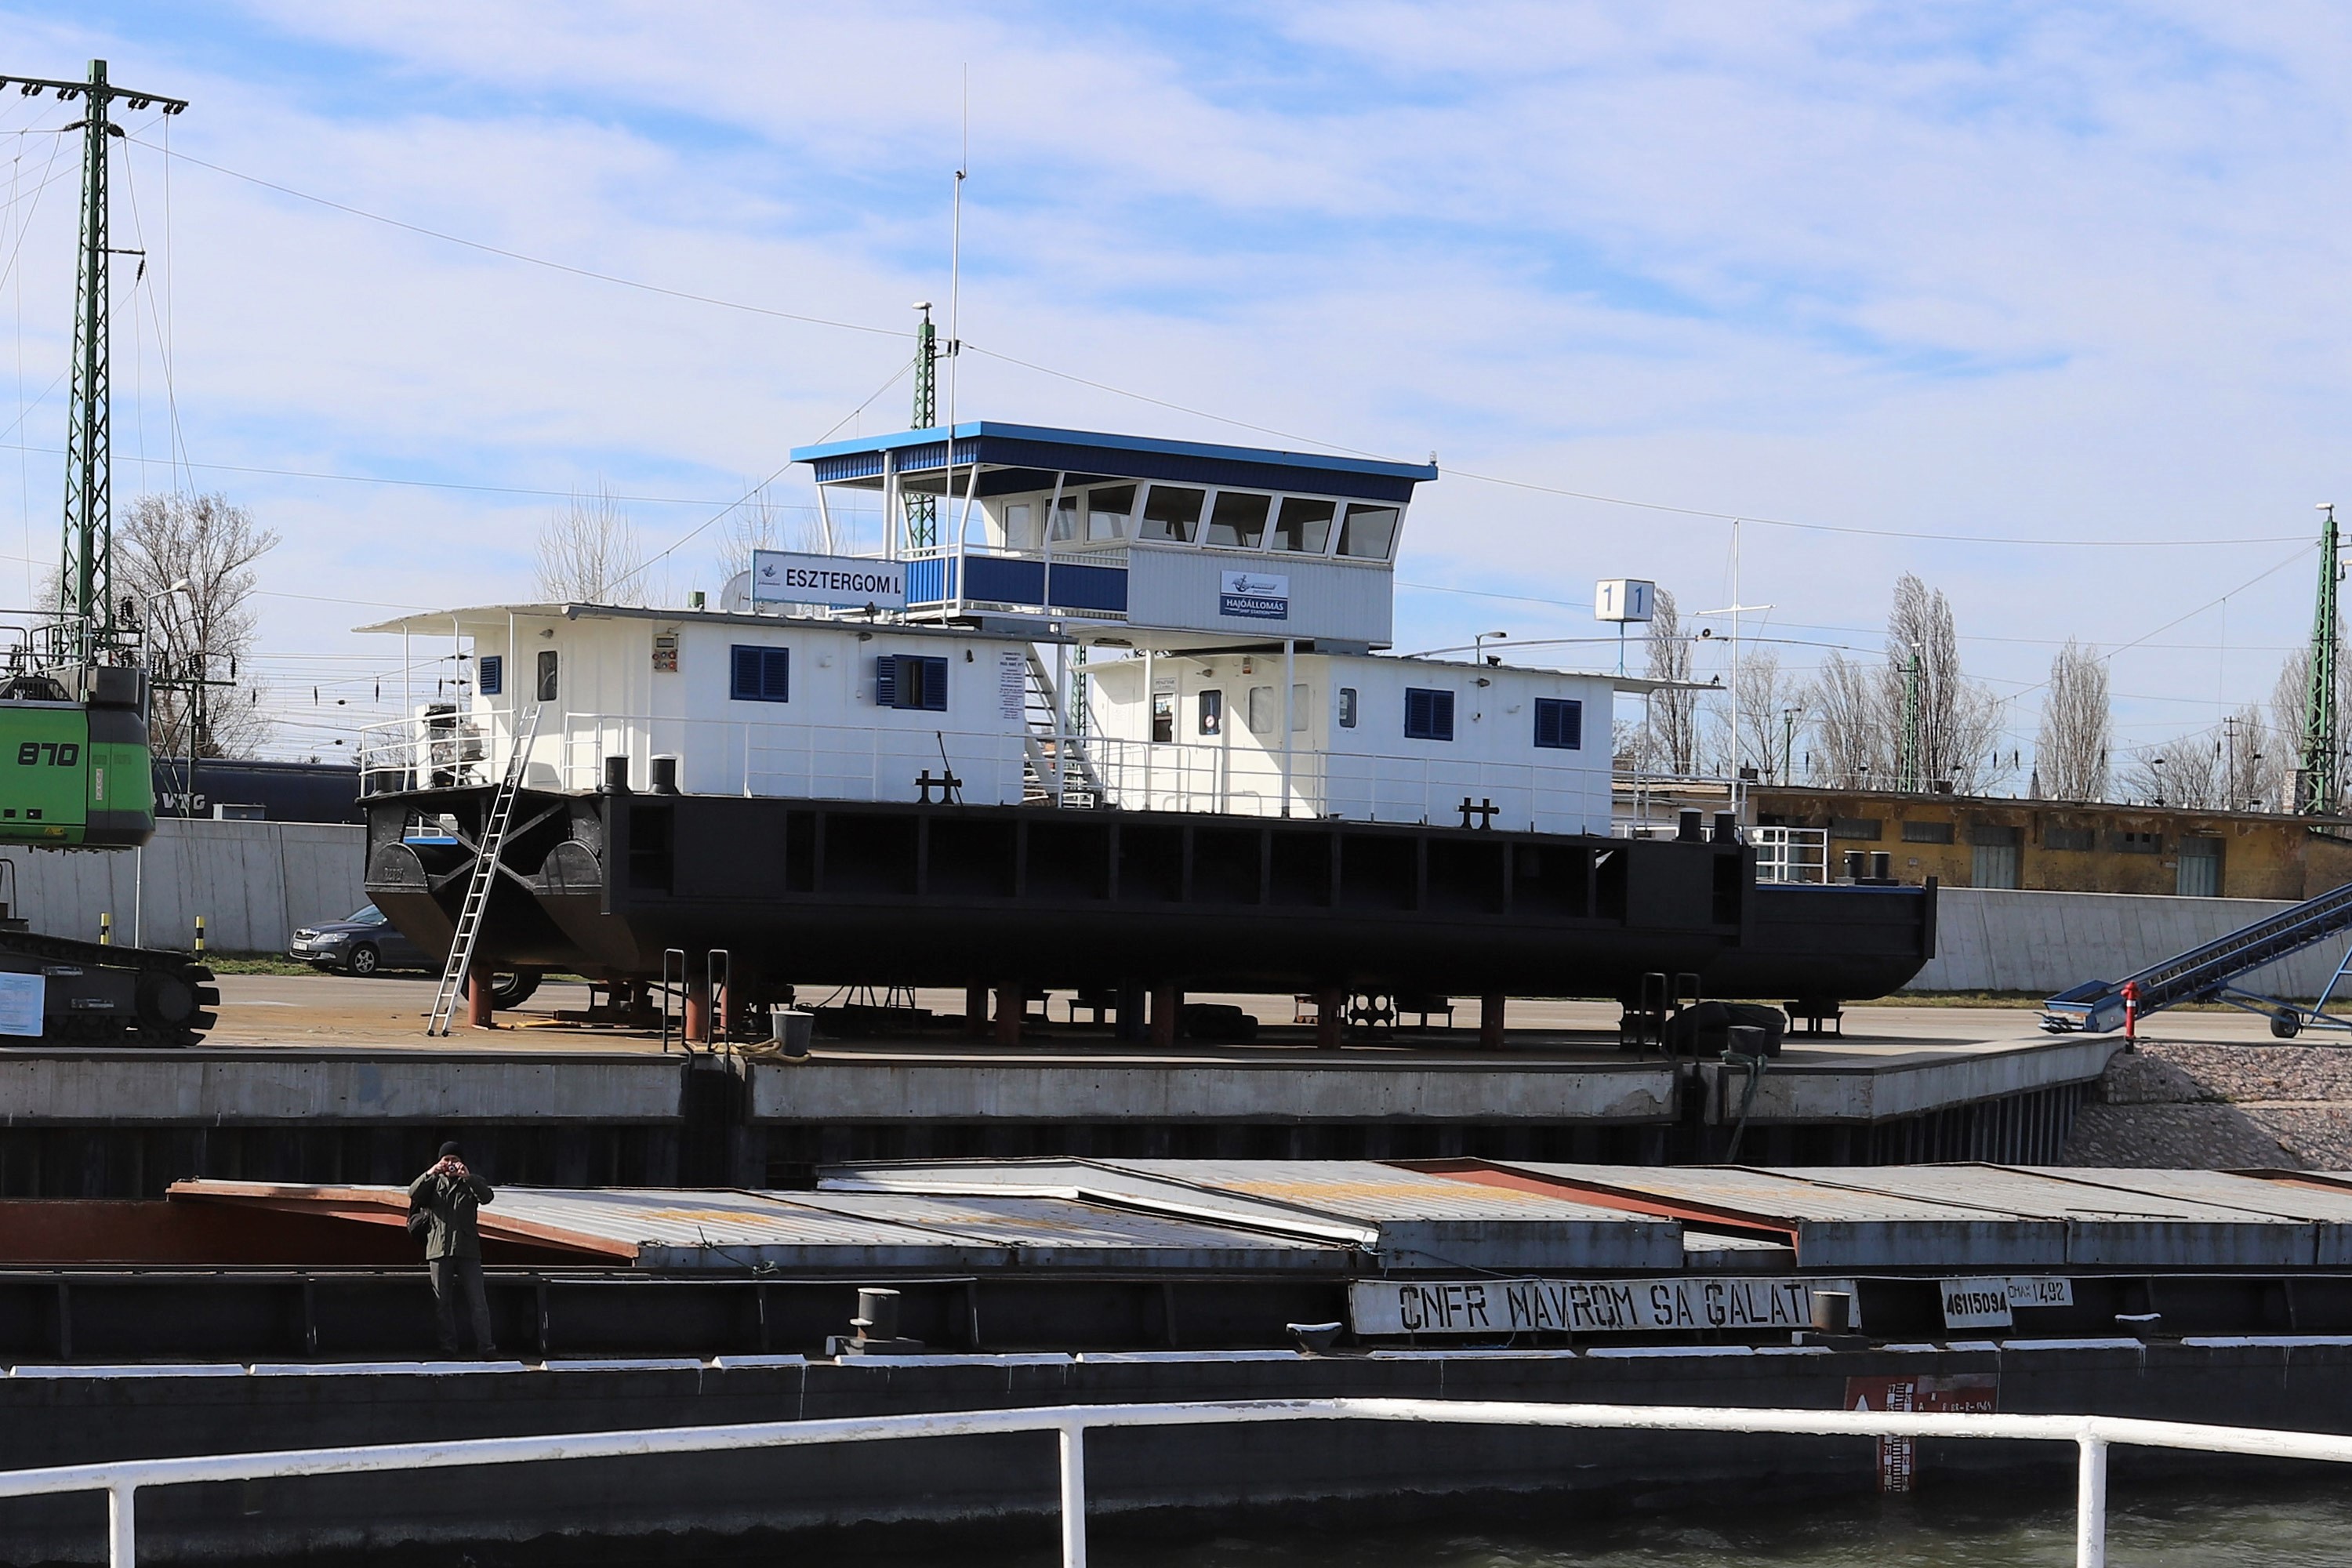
[{"x": 948, "y": 896}]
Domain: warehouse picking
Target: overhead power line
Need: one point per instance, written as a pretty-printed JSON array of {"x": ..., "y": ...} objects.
[
  {"x": 1595, "y": 497},
  {"x": 500, "y": 251}
]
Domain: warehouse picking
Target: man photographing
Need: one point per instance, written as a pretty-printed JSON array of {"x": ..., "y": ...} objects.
[{"x": 451, "y": 1195}]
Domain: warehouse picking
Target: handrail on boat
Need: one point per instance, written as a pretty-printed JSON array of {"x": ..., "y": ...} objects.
[{"x": 2090, "y": 1435}]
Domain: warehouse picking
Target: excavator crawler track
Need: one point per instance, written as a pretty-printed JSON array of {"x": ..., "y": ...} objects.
[{"x": 98, "y": 994}]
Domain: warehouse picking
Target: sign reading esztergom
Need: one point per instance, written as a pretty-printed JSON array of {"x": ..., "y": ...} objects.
[
  {"x": 1583, "y": 1306},
  {"x": 844, "y": 581}
]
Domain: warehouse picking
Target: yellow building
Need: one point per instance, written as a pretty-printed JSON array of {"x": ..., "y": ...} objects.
[{"x": 1972, "y": 841}]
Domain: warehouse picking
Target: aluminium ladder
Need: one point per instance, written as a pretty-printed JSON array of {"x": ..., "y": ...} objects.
[
  {"x": 2204, "y": 973},
  {"x": 485, "y": 875}
]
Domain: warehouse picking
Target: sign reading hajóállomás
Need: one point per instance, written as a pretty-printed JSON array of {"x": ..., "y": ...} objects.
[
  {"x": 1253, "y": 595},
  {"x": 843, "y": 581},
  {"x": 1466, "y": 1307}
]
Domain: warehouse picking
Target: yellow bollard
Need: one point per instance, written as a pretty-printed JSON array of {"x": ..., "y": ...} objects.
[
  {"x": 200, "y": 936},
  {"x": 105, "y": 931}
]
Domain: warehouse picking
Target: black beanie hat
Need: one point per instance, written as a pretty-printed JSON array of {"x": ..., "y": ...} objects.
[{"x": 449, "y": 1149}]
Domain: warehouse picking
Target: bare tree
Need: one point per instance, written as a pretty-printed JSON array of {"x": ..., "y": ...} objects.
[
  {"x": 1849, "y": 729},
  {"x": 1670, "y": 727},
  {"x": 202, "y": 633},
  {"x": 2070, "y": 756},
  {"x": 761, "y": 523},
  {"x": 2185, "y": 771},
  {"x": 1761, "y": 705},
  {"x": 1958, "y": 720},
  {"x": 2253, "y": 762},
  {"x": 589, "y": 555}
]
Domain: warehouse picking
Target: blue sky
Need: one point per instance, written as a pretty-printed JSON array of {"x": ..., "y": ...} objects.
[{"x": 1991, "y": 271}]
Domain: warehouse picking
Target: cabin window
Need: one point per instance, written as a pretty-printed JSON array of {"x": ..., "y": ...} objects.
[
  {"x": 760, "y": 674},
  {"x": 1428, "y": 715},
  {"x": 1263, "y": 711},
  {"x": 547, "y": 675},
  {"x": 1108, "y": 511},
  {"x": 1021, "y": 526},
  {"x": 1303, "y": 526},
  {"x": 911, "y": 680},
  {"x": 1347, "y": 708},
  {"x": 1238, "y": 519},
  {"x": 1066, "y": 518},
  {"x": 1172, "y": 512},
  {"x": 494, "y": 674},
  {"x": 1299, "y": 695},
  {"x": 1560, "y": 724},
  {"x": 1370, "y": 532},
  {"x": 1164, "y": 717},
  {"x": 1213, "y": 712}
]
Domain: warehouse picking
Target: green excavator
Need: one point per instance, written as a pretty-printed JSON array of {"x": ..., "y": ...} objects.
[{"x": 76, "y": 771}]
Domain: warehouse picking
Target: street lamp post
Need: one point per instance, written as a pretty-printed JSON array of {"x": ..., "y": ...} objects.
[{"x": 139, "y": 854}]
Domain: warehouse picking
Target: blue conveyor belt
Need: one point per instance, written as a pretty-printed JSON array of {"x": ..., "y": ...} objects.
[{"x": 2203, "y": 974}]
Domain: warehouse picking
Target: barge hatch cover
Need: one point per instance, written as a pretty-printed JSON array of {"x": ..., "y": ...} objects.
[
  {"x": 1413, "y": 1219},
  {"x": 687, "y": 1229}
]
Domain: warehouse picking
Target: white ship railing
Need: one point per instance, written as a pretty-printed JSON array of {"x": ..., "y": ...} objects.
[
  {"x": 121, "y": 1481},
  {"x": 884, "y": 761},
  {"x": 1792, "y": 854}
]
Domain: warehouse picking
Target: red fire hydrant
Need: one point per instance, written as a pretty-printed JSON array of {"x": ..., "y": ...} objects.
[{"x": 2131, "y": 1014}]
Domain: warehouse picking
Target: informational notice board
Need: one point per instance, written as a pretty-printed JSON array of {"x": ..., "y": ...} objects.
[
  {"x": 1463, "y": 1308},
  {"x": 21, "y": 996}
]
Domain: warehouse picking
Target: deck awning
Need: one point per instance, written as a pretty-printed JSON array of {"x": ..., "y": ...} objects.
[{"x": 1027, "y": 456}]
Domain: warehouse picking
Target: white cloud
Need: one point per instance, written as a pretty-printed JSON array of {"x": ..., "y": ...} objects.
[{"x": 2071, "y": 271}]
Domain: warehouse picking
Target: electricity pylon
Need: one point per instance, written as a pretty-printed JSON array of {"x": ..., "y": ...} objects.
[{"x": 86, "y": 607}]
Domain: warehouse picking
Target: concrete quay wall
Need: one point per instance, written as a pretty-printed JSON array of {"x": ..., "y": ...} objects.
[
  {"x": 1990, "y": 938},
  {"x": 1358, "y": 1475}
]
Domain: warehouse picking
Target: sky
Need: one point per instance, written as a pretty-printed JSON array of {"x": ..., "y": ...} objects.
[{"x": 2043, "y": 302}]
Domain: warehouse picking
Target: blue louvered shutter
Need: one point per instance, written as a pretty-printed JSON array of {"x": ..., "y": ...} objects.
[
  {"x": 1560, "y": 724},
  {"x": 886, "y": 681}
]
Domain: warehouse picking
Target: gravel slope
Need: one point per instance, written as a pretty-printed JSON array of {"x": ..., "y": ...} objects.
[{"x": 2186, "y": 1106}]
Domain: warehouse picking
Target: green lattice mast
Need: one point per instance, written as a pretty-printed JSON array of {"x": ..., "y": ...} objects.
[
  {"x": 923, "y": 511},
  {"x": 86, "y": 604},
  {"x": 2316, "y": 780}
]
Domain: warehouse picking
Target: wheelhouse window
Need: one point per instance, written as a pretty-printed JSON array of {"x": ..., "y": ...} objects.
[
  {"x": 1428, "y": 715},
  {"x": 1304, "y": 525},
  {"x": 1369, "y": 532},
  {"x": 1108, "y": 510},
  {"x": 1560, "y": 724},
  {"x": 1347, "y": 708},
  {"x": 913, "y": 681},
  {"x": 1238, "y": 522},
  {"x": 1211, "y": 712},
  {"x": 1066, "y": 519},
  {"x": 547, "y": 675},
  {"x": 1021, "y": 526},
  {"x": 1171, "y": 513},
  {"x": 760, "y": 674},
  {"x": 1164, "y": 717}
]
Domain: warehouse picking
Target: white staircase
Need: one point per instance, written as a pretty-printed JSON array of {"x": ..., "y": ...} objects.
[
  {"x": 1059, "y": 772},
  {"x": 485, "y": 876}
]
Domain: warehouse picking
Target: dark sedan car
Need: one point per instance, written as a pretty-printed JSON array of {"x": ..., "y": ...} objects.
[{"x": 362, "y": 944}]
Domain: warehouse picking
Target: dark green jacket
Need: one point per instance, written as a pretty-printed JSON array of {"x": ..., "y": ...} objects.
[{"x": 452, "y": 1202}]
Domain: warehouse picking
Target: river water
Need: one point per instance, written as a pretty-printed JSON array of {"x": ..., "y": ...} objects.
[{"x": 2296, "y": 1526}]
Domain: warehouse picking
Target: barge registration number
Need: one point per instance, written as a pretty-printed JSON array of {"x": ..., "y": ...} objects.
[{"x": 1466, "y": 1307}]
